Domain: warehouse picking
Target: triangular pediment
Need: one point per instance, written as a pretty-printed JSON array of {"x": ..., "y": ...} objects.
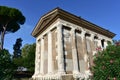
[
  {"x": 47, "y": 19},
  {"x": 43, "y": 22}
]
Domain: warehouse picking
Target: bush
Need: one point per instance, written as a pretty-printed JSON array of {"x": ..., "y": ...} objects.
[
  {"x": 6, "y": 65},
  {"x": 107, "y": 64}
]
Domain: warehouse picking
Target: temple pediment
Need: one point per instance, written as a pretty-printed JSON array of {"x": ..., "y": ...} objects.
[
  {"x": 47, "y": 19},
  {"x": 66, "y": 45}
]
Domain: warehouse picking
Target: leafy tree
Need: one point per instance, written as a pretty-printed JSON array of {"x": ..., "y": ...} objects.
[
  {"x": 17, "y": 49},
  {"x": 28, "y": 55},
  {"x": 107, "y": 64},
  {"x": 6, "y": 65},
  {"x": 10, "y": 21}
]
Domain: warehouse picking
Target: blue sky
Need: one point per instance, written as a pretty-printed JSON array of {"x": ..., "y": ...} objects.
[{"x": 105, "y": 13}]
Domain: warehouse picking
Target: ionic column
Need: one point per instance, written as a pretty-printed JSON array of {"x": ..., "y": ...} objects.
[
  {"x": 74, "y": 53},
  {"x": 92, "y": 49},
  {"x": 50, "y": 63},
  {"x": 99, "y": 43},
  {"x": 60, "y": 50},
  {"x": 105, "y": 44},
  {"x": 38, "y": 56},
  {"x": 36, "y": 61},
  {"x": 85, "y": 50},
  {"x": 42, "y": 56}
]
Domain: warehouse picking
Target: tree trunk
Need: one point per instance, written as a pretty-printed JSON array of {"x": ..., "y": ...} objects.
[{"x": 2, "y": 37}]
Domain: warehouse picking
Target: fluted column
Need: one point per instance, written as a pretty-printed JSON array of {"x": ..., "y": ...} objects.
[
  {"x": 105, "y": 44},
  {"x": 50, "y": 63},
  {"x": 42, "y": 56},
  {"x": 60, "y": 50},
  {"x": 99, "y": 43},
  {"x": 74, "y": 53},
  {"x": 84, "y": 45},
  {"x": 38, "y": 56},
  {"x": 36, "y": 61},
  {"x": 85, "y": 49},
  {"x": 92, "y": 49}
]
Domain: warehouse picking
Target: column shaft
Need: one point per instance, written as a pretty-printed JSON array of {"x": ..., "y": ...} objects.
[
  {"x": 60, "y": 50},
  {"x": 105, "y": 44},
  {"x": 50, "y": 63},
  {"x": 42, "y": 57},
  {"x": 36, "y": 60},
  {"x": 74, "y": 53},
  {"x": 99, "y": 43},
  {"x": 85, "y": 49}
]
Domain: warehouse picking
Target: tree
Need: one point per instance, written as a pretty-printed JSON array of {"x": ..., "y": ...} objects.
[
  {"x": 17, "y": 49},
  {"x": 107, "y": 64},
  {"x": 6, "y": 65},
  {"x": 10, "y": 21},
  {"x": 28, "y": 55}
]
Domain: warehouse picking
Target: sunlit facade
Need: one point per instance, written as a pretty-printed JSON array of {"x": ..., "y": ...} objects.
[{"x": 65, "y": 46}]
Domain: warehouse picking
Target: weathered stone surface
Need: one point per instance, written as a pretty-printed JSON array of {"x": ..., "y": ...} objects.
[
  {"x": 46, "y": 54},
  {"x": 73, "y": 45},
  {"x": 54, "y": 50}
]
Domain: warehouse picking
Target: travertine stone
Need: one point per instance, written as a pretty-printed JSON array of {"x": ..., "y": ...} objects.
[
  {"x": 42, "y": 56},
  {"x": 105, "y": 44},
  {"x": 45, "y": 54},
  {"x": 50, "y": 63},
  {"x": 92, "y": 48},
  {"x": 90, "y": 53},
  {"x": 67, "y": 51},
  {"x": 85, "y": 49},
  {"x": 54, "y": 50},
  {"x": 37, "y": 59},
  {"x": 65, "y": 45},
  {"x": 74, "y": 53},
  {"x": 99, "y": 42},
  {"x": 38, "y": 56},
  {"x": 60, "y": 49},
  {"x": 80, "y": 48}
]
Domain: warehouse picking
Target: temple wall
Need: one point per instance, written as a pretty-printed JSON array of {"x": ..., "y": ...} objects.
[
  {"x": 46, "y": 54},
  {"x": 54, "y": 50},
  {"x": 67, "y": 50},
  {"x": 71, "y": 53},
  {"x": 80, "y": 52}
]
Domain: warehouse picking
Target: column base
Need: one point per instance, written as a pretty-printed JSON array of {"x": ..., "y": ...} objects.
[
  {"x": 48, "y": 77},
  {"x": 79, "y": 76},
  {"x": 61, "y": 73},
  {"x": 85, "y": 75},
  {"x": 34, "y": 76}
]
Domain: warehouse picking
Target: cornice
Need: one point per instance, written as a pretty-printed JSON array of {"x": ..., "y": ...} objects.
[{"x": 53, "y": 15}]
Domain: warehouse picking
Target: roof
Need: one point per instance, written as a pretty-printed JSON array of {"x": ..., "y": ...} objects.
[{"x": 47, "y": 19}]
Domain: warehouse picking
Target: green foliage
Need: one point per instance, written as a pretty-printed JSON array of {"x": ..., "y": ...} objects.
[
  {"x": 8, "y": 14},
  {"x": 28, "y": 55},
  {"x": 27, "y": 59},
  {"x": 17, "y": 48},
  {"x": 6, "y": 65},
  {"x": 10, "y": 21},
  {"x": 18, "y": 61},
  {"x": 107, "y": 64}
]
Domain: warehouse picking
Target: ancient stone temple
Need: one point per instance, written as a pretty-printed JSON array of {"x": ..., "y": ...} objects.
[{"x": 65, "y": 46}]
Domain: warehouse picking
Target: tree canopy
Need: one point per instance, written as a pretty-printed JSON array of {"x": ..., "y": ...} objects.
[
  {"x": 27, "y": 58},
  {"x": 17, "y": 48},
  {"x": 10, "y": 21},
  {"x": 7, "y": 66},
  {"x": 28, "y": 54},
  {"x": 107, "y": 64}
]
